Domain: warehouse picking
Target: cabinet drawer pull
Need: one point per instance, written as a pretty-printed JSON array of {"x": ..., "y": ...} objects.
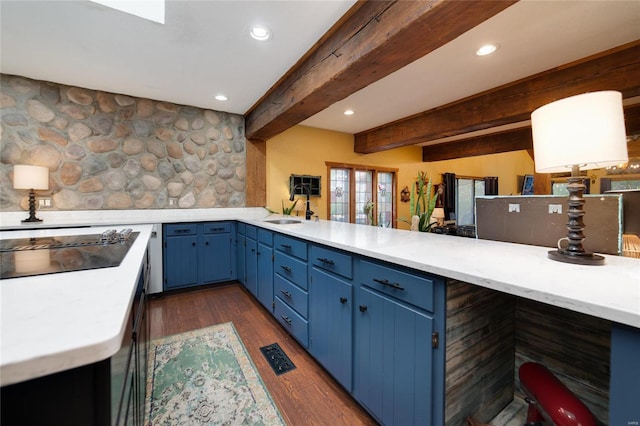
[
  {"x": 286, "y": 293},
  {"x": 286, "y": 268},
  {"x": 326, "y": 261},
  {"x": 287, "y": 246},
  {"x": 206, "y": 243},
  {"x": 394, "y": 286},
  {"x": 193, "y": 244},
  {"x": 343, "y": 300},
  {"x": 286, "y": 319},
  {"x": 182, "y": 231},
  {"x": 363, "y": 308},
  {"x": 216, "y": 229}
]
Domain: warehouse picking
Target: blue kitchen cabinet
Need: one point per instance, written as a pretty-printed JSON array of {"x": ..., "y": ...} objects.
[
  {"x": 251, "y": 260},
  {"x": 625, "y": 375},
  {"x": 397, "y": 356},
  {"x": 240, "y": 253},
  {"x": 291, "y": 284},
  {"x": 180, "y": 260},
  {"x": 330, "y": 312},
  {"x": 198, "y": 253},
  {"x": 330, "y": 324},
  {"x": 217, "y": 260},
  {"x": 265, "y": 269}
]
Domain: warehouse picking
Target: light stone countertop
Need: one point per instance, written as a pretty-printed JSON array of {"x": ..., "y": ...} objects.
[
  {"x": 51, "y": 323},
  {"x": 611, "y": 291}
]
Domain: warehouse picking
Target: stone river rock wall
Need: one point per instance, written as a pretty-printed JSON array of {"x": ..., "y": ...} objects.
[{"x": 107, "y": 151}]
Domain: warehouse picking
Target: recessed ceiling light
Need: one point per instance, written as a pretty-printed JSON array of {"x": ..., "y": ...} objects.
[
  {"x": 487, "y": 49},
  {"x": 221, "y": 97},
  {"x": 260, "y": 33},
  {"x": 349, "y": 112}
]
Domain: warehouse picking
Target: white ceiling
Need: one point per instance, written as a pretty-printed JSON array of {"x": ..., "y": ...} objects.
[{"x": 204, "y": 48}]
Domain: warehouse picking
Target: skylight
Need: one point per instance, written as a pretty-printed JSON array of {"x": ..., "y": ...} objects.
[{"x": 153, "y": 10}]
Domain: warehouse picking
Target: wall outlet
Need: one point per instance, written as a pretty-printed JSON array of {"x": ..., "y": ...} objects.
[
  {"x": 555, "y": 208},
  {"x": 45, "y": 203},
  {"x": 514, "y": 208},
  {"x": 173, "y": 202}
]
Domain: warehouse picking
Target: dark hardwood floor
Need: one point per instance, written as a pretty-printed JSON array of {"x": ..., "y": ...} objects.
[{"x": 307, "y": 395}]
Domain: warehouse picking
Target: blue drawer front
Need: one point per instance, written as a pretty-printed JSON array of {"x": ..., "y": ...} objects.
[
  {"x": 292, "y": 295},
  {"x": 175, "y": 229},
  {"x": 292, "y": 322},
  {"x": 292, "y": 269},
  {"x": 333, "y": 261},
  {"x": 217, "y": 227},
  {"x": 291, "y": 246},
  {"x": 265, "y": 237},
  {"x": 251, "y": 232},
  {"x": 414, "y": 289}
]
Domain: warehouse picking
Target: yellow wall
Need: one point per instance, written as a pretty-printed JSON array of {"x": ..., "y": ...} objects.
[{"x": 304, "y": 150}]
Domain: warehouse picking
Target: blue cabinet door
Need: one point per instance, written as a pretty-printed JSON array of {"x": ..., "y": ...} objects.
[
  {"x": 240, "y": 258},
  {"x": 216, "y": 257},
  {"x": 251, "y": 265},
  {"x": 393, "y": 360},
  {"x": 625, "y": 375},
  {"x": 330, "y": 324},
  {"x": 265, "y": 276},
  {"x": 180, "y": 261}
]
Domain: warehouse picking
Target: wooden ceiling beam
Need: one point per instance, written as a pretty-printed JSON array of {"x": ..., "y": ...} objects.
[
  {"x": 375, "y": 39},
  {"x": 510, "y": 140},
  {"x": 618, "y": 69}
]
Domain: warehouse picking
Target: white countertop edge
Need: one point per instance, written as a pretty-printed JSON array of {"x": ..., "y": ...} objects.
[{"x": 99, "y": 337}]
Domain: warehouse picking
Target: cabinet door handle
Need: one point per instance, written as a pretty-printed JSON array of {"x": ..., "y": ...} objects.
[
  {"x": 253, "y": 250},
  {"x": 206, "y": 243},
  {"x": 326, "y": 261},
  {"x": 287, "y": 246},
  {"x": 363, "y": 308},
  {"x": 286, "y": 268},
  {"x": 394, "y": 286},
  {"x": 193, "y": 244},
  {"x": 286, "y": 319},
  {"x": 286, "y": 293},
  {"x": 343, "y": 300}
]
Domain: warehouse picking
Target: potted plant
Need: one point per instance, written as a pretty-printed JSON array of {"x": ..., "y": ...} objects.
[
  {"x": 421, "y": 204},
  {"x": 288, "y": 210}
]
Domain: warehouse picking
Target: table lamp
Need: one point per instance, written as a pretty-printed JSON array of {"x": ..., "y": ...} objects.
[
  {"x": 31, "y": 178},
  {"x": 578, "y": 133}
]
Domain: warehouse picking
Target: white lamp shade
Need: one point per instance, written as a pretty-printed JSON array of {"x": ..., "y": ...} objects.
[
  {"x": 438, "y": 213},
  {"x": 585, "y": 130},
  {"x": 30, "y": 177}
]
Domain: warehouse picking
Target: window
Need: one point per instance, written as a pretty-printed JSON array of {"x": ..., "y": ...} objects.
[
  {"x": 466, "y": 191},
  {"x": 340, "y": 195},
  {"x": 618, "y": 185},
  {"x": 362, "y": 194}
]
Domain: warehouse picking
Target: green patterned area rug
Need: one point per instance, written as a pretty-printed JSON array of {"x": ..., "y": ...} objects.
[{"x": 206, "y": 377}]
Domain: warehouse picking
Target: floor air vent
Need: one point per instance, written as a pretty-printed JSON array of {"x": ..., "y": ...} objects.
[{"x": 277, "y": 359}]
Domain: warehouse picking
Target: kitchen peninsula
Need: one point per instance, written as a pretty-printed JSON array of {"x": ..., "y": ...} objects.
[{"x": 610, "y": 292}]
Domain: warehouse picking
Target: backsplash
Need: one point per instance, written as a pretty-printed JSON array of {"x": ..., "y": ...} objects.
[{"x": 110, "y": 151}]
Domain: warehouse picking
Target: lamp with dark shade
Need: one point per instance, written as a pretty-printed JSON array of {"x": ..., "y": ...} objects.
[
  {"x": 31, "y": 178},
  {"x": 580, "y": 132}
]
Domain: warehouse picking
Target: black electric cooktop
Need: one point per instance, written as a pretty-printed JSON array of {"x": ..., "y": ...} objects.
[{"x": 23, "y": 257}]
